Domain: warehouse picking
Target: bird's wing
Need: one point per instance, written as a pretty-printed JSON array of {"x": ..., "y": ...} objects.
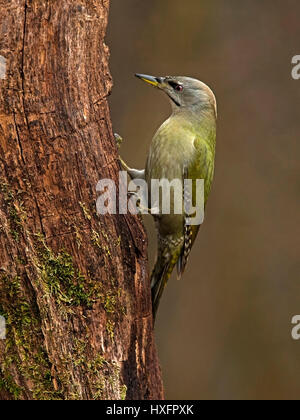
[
  {"x": 201, "y": 168},
  {"x": 189, "y": 231}
]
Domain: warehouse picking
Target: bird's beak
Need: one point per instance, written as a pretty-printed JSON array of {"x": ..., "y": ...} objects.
[{"x": 154, "y": 81}]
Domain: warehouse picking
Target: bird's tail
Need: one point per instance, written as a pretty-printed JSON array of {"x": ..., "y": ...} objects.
[
  {"x": 161, "y": 273},
  {"x": 173, "y": 251}
]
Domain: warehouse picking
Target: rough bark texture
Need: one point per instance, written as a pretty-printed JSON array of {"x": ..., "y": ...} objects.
[{"x": 74, "y": 287}]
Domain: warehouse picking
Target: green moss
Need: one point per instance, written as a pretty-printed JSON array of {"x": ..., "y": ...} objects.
[
  {"x": 5, "y": 190},
  {"x": 7, "y": 383},
  {"x": 85, "y": 210},
  {"x": 95, "y": 365},
  {"x": 24, "y": 352},
  {"x": 23, "y": 344},
  {"x": 79, "y": 350},
  {"x": 96, "y": 240},
  {"x": 98, "y": 389},
  {"x": 106, "y": 377},
  {"x": 110, "y": 302},
  {"x": 15, "y": 211},
  {"x": 110, "y": 327},
  {"x": 15, "y": 214},
  {"x": 78, "y": 237},
  {"x": 103, "y": 375},
  {"x": 123, "y": 392},
  {"x": 63, "y": 280},
  {"x": 20, "y": 261},
  {"x": 15, "y": 235}
]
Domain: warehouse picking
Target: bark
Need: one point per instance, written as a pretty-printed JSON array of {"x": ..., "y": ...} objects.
[{"x": 74, "y": 286}]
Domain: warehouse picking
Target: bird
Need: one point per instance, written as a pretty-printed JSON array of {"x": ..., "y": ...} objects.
[{"x": 183, "y": 147}]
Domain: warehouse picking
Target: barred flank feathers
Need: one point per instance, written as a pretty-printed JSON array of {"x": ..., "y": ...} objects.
[
  {"x": 166, "y": 261},
  {"x": 187, "y": 229},
  {"x": 186, "y": 250}
]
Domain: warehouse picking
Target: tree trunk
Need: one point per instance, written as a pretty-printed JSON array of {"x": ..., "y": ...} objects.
[{"x": 74, "y": 286}]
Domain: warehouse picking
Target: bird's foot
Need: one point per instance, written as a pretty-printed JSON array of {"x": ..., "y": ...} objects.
[
  {"x": 138, "y": 203},
  {"x": 118, "y": 139},
  {"x": 133, "y": 173}
]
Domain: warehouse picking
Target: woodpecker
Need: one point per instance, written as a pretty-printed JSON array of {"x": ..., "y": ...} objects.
[{"x": 182, "y": 148}]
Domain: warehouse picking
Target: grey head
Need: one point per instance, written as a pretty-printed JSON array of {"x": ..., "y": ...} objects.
[{"x": 184, "y": 92}]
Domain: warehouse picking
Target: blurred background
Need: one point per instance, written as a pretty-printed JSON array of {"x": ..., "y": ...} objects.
[{"x": 224, "y": 331}]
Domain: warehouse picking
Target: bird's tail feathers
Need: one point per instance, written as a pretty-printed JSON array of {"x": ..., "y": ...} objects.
[
  {"x": 185, "y": 251},
  {"x": 160, "y": 276},
  {"x": 180, "y": 266},
  {"x": 161, "y": 273}
]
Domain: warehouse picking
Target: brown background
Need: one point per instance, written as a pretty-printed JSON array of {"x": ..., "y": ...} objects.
[{"x": 224, "y": 331}]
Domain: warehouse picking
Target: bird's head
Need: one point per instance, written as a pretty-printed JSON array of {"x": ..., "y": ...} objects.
[{"x": 184, "y": 92}]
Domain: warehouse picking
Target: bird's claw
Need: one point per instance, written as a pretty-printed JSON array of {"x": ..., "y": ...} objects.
[{"x": 118, "y": 140}]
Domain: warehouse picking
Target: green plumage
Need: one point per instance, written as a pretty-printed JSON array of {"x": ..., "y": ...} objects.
[
  {"x": 183, "y": 147},
  {"x": 182, "y": 142}
]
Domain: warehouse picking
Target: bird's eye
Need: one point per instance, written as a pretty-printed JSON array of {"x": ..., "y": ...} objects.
[{"x": 176, "y": 86}]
